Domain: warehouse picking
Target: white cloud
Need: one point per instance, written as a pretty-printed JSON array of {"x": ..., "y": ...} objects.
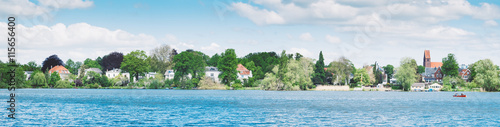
[
  {"x": 302, "y": 51},
  {"x": 171, "y": 38},
  {"x": 45, "y": 7},
  {"x": 76, "y": 41},
  {"x": 306, "y": 37},
  {"x": 260, "y": 17},
  {"x": 332, "y": 39},
  {"x": 69, "y": 4},
  {"x": 213, "y": 47},
  {"x": 357, "y": 12},
  {"x": 490, "y": 23}
]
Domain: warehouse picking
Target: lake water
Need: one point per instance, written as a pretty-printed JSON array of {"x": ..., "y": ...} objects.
[{"x": 49, "y": 107}]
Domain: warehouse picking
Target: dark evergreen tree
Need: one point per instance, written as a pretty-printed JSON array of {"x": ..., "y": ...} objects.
[{"x": 319, "y": 70}]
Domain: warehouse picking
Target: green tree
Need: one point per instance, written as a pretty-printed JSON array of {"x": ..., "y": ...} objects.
[
  {"x": 421, "y": 69},
  {"x": 188, "y": 62},
  {"x": 389, "y": 70},
  {"x": 297, "y": 75},
  {"x": 487, "y": 75},
  {"x": 135, "y": 63},
  {"x": 63, "y": 84},
  {"x": 38, "y": 80},
  {"x": 227, "y": 65},
  {"x": 342, "y": 68},
  {"x": 214, "y": 60},
  {"x": 298, "y": 56},
  {"x": 406, "y": 74},
  {"x": 361, "y": 77},
  {"x": 453, "y": 82},
  {"x": 54, "y": 77},
  {"x": 72, "y": 66},
  {"x": 91, "y": 63},
  {"x": 160, "y": 59},
  {"x": 319, "y": 70},
  {"x": 255, "y": 69},
  {"x": 450, "y": 66},
  {"x": 282, "y": 68}
]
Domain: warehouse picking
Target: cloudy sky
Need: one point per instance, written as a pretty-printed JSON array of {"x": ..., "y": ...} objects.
[{"x": 364, "y": 31}]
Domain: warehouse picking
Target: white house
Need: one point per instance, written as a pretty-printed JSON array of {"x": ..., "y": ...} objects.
[
  {"x": 96, "y": 70},
  {"x": 435, "y": 87},
  {"x": 150, "y": 75},
  {"x": 169, "y": 74},
  {"x": 243, "y": 73},
  {"x": 417, "y": 87},
  {"x": 213, "y": 73},
  {"x": 28, "y": 74},
  {"x": 115, "y": 72}
]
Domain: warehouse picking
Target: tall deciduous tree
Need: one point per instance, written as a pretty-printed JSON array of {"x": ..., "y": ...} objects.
[
  {"x": 319, "y": 70},
  {"x": 487, "y": 75},
  {"x": 160, "y": 58},
  {"x": 111, "y": 61},
  {"x": 450, "y": 66},
  {"x": 421, "y": 69},
  {"x": 50, "y": 62},
  {"x": 406, "y": 74},
  {"x": 361, "y": 77},
  {"x": 189, "y": 62},
  {"x": 227, "y": 65},
  {"x": 54, "y": 77},
  {"x": 214, "y": 60},
  {"x": 342, "y": 69},
  {"x": 38, "y": 80},
  {"x": 135, "y": 63},
  {"x": 91, "y": 63}
]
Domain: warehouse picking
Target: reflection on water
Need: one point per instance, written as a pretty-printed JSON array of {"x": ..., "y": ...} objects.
[{"x": 42, "y": 107}]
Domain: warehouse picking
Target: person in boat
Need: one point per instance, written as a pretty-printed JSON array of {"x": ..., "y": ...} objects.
[
  {"x": 462, "y": 94},
  {"x": 456, "y": 94}
]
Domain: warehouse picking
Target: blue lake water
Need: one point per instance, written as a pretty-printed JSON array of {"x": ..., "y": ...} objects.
[{"x": 53, "y": 107}]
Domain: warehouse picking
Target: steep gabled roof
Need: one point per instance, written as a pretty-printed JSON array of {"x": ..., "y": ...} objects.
[
  {"x": 243, "y": 70},
  {"x": 436, "y": 64}
]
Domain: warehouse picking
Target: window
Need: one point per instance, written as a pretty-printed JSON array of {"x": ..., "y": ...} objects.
[{"x": 212, "y": 74}]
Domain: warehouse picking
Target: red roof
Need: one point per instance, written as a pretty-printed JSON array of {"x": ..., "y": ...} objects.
[
  {"x": 59, "y": 69},
  {"x": 243, "y": 70},
  {"x": 436, "y": 64},
  {"x": 427, "y": 54}
]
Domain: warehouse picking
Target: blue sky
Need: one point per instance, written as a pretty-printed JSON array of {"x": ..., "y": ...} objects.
[{"x": 364, "y": 31}]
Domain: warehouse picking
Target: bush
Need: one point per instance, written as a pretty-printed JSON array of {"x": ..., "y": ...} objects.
[
  {"x": 93, "y": 86},
  {"x": 63, "y": 84},
  {"x": 168, "y": 83},
  {"x": 155, "y": 84},
  {"x": 237, "y": 86},
  {"x": 78, "y": 82},
  {"x": 207, "y": 83}
]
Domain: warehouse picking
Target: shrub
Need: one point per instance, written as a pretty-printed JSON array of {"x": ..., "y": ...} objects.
[
  {"x": 155, "y": 84},
  {"x": 63, "y": 84},
  {"x": 207, "y": 83}
]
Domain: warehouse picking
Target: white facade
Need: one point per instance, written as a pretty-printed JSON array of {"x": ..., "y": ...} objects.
[
  {"x": 435, "y": 87},
  {"x": 169, "y": 74},
  {"x": 150, "y": 75},
  {"x": 213, "y": 73},
  {"x": 115, "y": 72}
]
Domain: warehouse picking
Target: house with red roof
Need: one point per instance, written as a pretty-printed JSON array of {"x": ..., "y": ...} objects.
[
  {"x": 243, "y": 72},
  {"x": 61, "y": 70}
]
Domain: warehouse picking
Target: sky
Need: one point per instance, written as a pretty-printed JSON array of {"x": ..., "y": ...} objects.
[{"x": 364, "y": 31}]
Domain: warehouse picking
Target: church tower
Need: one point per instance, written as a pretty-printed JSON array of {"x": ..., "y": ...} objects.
[{"x": 427, "y": 58}]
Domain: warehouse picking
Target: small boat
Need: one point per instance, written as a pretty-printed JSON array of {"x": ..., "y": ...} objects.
[{"x": 461, "y": 95}]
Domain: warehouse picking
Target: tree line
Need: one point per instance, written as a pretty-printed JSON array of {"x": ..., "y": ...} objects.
[{"x": 271, "y": 71}]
